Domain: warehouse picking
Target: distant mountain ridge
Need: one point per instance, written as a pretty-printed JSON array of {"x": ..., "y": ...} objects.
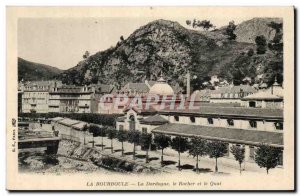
[{"x": 30, "y": 71}]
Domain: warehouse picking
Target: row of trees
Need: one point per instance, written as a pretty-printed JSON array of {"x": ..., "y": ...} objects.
[
  {"x": 266, "y": 156},
  {"x": 206, "y": 25}
]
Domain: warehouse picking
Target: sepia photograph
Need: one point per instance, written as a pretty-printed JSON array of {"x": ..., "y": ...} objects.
[{"x": 150, "y": 98}]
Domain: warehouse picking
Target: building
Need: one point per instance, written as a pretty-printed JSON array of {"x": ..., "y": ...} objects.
[
  {"x": 224, "y": 94},
  {"x": 108, "y": 101},
  {"x": 35, "y": 95},
  {"x": 267, "y": 98},
  {"x": 231, "y": 94},
  {"x": 249, "y": 127},
  {"x": 116, "y": 103},
  {"x": 226, "y": 122},
  {"x": 73, "y": 99}
]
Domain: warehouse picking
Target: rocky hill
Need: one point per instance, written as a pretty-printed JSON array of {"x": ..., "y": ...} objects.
[
  {"x": 168, "y": 48},
  {"x": 248, "y": 30},
  {"x": 30, "y": 71}
]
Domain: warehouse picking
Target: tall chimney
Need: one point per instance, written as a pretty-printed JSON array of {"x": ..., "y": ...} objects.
[{"x": 188, "y": 83}]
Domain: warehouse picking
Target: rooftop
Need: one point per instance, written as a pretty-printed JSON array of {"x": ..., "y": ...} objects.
[
  {"x": 230, "y": 111},
  {"x": 263, "y": 95},
  {"x": 156, "y": 119},
  {"x": 79, "y": 126},
  {"x": 251, "y": 137},
  {"x": 234, "y": 89},
  {"x": 57, "y": 119},
  {"x": 136, "y": 87},
  {"x": 68, "y": 122}
]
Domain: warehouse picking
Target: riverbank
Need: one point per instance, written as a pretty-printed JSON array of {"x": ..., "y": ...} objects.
[{"x": 72, "y": 157}]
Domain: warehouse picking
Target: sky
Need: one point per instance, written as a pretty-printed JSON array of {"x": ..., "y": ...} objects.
[{"x": 61, "y": 42}]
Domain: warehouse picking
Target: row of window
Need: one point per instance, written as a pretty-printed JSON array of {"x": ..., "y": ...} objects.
[{"x": 230, "y": 122}]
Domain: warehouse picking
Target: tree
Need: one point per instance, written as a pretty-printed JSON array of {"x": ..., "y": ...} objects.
[
  {"x": 145, "y": 141},
  {"x": 122, "y": 137},
  {"x": 188, "y": 22},
  {"x": 198, "y": 147},
  {"x": 86, "y": 55},
  {"x": 162, "y": 142},
  {"x": 95, "y": 130},
  {"x": 134, "y": 138},
  {"x": 229, "y": 31},
  {"x": 205, "y": 24},
  {"x": 250, "y": 52},
  {"x": 267, "y": 156},
  {"x": 261, "y": 44},
  {"x": 111, "y": 134},
  {"x": 179, "y": 144},
  {"x": 276, "y": 45},
  {"x": 102, "y": 134},
  {"x": 239, "y": 154},
  {"x": 216, "y": 149}
]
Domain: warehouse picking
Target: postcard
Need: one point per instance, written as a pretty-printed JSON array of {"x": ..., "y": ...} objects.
[{"x": 150, "y": 98}]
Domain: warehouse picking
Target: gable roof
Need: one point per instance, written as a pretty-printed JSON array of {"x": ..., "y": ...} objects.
[
  {"x": 104, "y": 88},
  {"x": 262, "y": 95},
  {"x": 154, "y": 120},
  {"x": 143, "y": 110},
  {"x": 138, "y": 87}
]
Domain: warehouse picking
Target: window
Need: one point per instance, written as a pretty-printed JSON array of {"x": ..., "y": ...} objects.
[
  {"x": 253, "y": 124},
  {"x": 252, "y": 104},
  {"x": 278, "y": 125},
  {"x": 192, "y": 119},
  {"x": 252, "y": 152},
  {"x": 176, "y": 118},
  {"x": 121, "y": 127},
  {"x": 131, "y": 123},
  {"x": 210, "y": 121},
  {"x": 144, "y": 130},
  {"x": 230, "y": 122}
]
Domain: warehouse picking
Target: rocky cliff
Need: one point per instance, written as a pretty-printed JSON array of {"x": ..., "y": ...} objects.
[{"x": 248, "y": 30}]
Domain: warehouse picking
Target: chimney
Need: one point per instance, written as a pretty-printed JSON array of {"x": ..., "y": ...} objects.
[{"x": 188, "y": 83}]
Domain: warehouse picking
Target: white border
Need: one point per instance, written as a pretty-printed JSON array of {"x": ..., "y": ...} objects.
[{"x": 5, "y": 3}]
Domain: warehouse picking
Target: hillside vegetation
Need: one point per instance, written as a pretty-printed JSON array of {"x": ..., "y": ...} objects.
[{"x": 30, "y": 71}]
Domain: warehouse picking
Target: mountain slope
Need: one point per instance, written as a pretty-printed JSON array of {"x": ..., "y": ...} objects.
[
  {"x": 168, "y": 48},
  {"x": 30, "y": 71},
  {"x": 247, "y": 31}
]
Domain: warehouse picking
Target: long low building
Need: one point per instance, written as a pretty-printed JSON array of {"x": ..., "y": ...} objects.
[{"x": 249, "y": 127}]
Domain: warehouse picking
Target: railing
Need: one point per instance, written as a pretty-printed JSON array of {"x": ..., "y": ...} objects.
[{"x": 70, "y": 137}]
